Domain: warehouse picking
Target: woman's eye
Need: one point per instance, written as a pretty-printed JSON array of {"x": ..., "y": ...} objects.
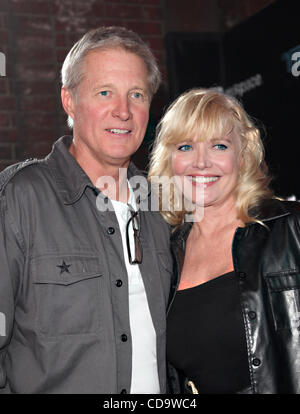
[
  {"x": 221, "y": 147},
  {"x": 184, "y": 147}
]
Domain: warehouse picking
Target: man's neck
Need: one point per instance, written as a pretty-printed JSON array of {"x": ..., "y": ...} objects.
[{"x": 109, "y": 177}]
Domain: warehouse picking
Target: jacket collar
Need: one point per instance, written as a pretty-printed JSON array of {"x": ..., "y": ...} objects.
[
  {"x": 268, "y": 210},
  {"x": 181, "y": 233},
  {"x": 71, "y": 179},
  {"x": 271, "y": 209}
]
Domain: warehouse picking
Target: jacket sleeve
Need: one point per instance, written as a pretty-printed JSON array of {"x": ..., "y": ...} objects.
[{"x": 11, "y": 263}]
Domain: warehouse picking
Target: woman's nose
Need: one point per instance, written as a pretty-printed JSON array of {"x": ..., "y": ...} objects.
[{"x": 202, "y": 158}]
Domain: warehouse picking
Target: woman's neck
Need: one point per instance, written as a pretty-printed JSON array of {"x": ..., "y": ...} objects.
[{"x": 218, "y": 217}]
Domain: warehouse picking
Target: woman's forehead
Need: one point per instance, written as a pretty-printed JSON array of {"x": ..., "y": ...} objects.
[{"x": 200, "y": 135}]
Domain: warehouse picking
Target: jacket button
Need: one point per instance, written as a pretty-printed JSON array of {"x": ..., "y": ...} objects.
[
  {"x": 110, "y": 230},
  {"x": 242, "y": 275},
  {"x": 123, "y": 337},
  {"x": 252, "y": 315},
  {"x": 256, "y": 362},
  {"x": 119, "y": 283}
]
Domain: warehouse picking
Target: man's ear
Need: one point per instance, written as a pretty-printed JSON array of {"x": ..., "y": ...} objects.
[{"x": 68, "y": 101}]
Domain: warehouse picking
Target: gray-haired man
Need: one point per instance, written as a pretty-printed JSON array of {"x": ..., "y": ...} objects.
[{"x": 83, "y": 292}]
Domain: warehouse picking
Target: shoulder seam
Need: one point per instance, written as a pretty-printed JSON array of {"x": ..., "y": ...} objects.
[{"x": 7, "y": 174}]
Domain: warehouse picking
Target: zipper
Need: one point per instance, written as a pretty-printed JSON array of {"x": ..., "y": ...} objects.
[{"x": 247, "y": 334}]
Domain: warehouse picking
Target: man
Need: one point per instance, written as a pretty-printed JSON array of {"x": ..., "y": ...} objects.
[{"x": 83, "y": 291}]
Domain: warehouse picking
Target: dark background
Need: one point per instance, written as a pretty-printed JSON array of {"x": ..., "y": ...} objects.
[
  {"x": 256, "y": 49},
  {"x": 207, "y": 43}
]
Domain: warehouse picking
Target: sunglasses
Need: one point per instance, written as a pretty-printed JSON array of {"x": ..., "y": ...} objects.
[{"x": 136, "y": 256}]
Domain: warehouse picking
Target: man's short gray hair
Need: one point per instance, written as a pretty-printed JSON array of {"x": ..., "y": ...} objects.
[{"x": 108, "y": 37}]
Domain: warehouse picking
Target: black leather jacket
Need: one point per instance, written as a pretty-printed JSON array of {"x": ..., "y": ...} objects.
[{"x": 267, "y": 265}]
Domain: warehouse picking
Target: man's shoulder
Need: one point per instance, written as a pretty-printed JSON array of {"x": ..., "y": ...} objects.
[
  {"x": 33, "y": 169},
  {"x": 23, "y": 173}
]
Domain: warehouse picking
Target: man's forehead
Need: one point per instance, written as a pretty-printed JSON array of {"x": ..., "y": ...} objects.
[
  {"x": 107, "y": 59},
  {"x": 102, "y": 52}
]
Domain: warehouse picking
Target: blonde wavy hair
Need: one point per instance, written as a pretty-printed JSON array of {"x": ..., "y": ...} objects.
[{"x": 207, "y": 114}]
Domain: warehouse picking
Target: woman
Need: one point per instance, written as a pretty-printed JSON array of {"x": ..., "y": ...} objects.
[{"x": 234, "y": 315}]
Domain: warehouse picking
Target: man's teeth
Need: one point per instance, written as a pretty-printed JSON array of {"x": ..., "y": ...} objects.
[
  {"x": 119, "y": 131},
  {"x": 203, "y": 180}
]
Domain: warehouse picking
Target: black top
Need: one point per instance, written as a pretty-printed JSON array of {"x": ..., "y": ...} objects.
[{"x": 206, "y": 336}]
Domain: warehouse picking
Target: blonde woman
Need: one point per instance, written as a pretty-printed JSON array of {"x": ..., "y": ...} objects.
[{"x": 234, "y": 315}]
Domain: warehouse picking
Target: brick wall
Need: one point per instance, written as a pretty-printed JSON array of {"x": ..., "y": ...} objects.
[
  {"x": 35, "y": 36},
  {"x": 233, "y": 12}
]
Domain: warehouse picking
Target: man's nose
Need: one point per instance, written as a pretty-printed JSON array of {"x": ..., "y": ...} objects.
[{"x": 121, "y": 109}]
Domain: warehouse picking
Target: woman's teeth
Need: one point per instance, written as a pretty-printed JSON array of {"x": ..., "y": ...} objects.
[{"x": 202, "y": 180}]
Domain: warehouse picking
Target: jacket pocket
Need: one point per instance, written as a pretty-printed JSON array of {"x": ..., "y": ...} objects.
[
  {"x": 68, "y": 294},
  {"x": 284, "y": 293}
]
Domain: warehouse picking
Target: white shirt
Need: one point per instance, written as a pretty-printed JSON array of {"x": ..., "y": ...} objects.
[{"x": 144, "y": 379}]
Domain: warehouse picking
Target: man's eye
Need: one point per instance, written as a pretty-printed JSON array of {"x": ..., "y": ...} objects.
[
  {"x": 103, "y": 93},
  {"x": 184, "y": 147},
  {"x": 137, "y": 95}
]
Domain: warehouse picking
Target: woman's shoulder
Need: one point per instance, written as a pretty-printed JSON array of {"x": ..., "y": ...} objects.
[
  {"x": 289, "y": 206},
  {"x": 276, "y": 208}
]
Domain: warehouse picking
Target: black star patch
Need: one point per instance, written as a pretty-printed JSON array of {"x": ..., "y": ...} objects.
[{"x": 64, "y": 267}]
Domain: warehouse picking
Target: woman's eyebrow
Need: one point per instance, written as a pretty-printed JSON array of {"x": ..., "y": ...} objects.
[{"x": 222, "y": 139}]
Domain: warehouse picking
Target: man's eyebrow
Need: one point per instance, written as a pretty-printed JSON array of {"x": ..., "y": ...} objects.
[
  {"x": 142, "y": 88},
  {"x": 111, "y": 85},
  {"x": 102, "y": 85}
]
